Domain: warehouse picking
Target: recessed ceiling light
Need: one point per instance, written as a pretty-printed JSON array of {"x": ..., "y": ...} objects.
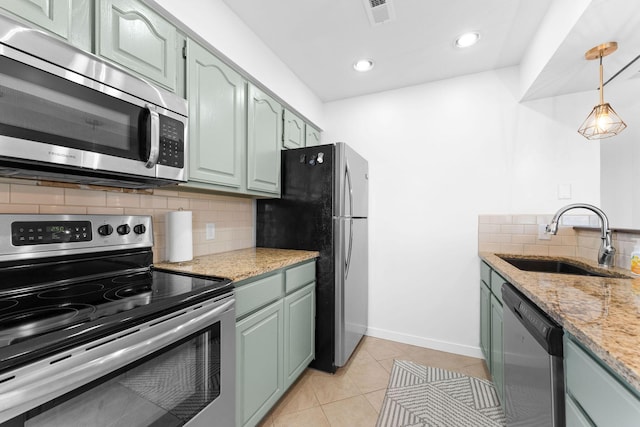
[
  {"x": 467, "y": 39},
  {"x": 363, "y": 65}
]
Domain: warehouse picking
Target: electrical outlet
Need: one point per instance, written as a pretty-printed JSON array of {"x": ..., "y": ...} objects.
[
  {"x": 542, "y": 232},
  {"x": 210, "y": 229}
]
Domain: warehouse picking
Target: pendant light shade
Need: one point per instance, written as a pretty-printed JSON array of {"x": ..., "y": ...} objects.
[{"x": 603, "y": 122}]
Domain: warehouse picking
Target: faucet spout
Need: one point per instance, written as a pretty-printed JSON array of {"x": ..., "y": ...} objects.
[{"x": 607, "y": 251}]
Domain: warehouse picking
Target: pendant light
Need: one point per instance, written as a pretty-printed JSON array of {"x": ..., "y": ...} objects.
[{"x": 603, "y": 121}]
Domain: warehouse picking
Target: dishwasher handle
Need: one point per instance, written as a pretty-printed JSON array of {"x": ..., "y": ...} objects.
[{"x": 544, "y": 330}]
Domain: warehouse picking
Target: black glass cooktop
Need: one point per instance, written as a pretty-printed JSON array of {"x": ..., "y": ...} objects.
[{"x": 40, "y": 319}]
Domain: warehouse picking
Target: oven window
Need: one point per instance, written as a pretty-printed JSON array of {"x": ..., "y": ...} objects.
[
  {"x": 40, "y": 106},
  {"x": 167, "y": 389}
]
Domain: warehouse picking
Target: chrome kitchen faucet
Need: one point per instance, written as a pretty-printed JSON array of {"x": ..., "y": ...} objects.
[{"x": 606, "y": 251}]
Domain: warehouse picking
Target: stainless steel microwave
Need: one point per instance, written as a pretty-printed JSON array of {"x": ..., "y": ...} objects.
[{"x": 67, "y": 115}]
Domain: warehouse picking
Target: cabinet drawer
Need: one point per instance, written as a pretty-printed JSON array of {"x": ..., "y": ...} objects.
[
  {"x": 255, "y": 294},
  {"x": 485, "y": 273},
  {"x": 605, "y": 400},
  {"x": 496, "y": 285},
  {"x": 299, "y": 276}
]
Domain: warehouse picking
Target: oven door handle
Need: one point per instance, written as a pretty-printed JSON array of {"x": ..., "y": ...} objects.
[{"x": 33, "y": 385}]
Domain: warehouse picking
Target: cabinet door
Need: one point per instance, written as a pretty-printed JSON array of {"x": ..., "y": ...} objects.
[
  {"x": 52, "y": 15},
  {"x": 312, "y": 136},
  {"x": 485, "y": 322},
  {"x": 259, "y": 374},
  {"x": 299, "y": 332},
  {"x": 133, "y": 35},
  {"x": 293, "y": 131},
  {"x": 217, "y": 120},
  {"x": 497, "y": 350},
  {"x": 264, "y": 130}
]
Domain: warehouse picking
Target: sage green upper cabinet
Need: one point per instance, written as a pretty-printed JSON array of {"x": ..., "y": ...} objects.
[
  {"x": 264, "y": 136},
  {"x": 70, "y": 20},
  {"x": 217, "y": 120},
  {"x": 52, "y": 15},
  {"x": 312, "y": 136},
  {"x": 134, "y": 36},
  {"x": 294, "y": 132}
]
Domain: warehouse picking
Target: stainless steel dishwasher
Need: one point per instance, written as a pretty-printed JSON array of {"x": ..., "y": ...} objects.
[{"x": 533, "y": 368}]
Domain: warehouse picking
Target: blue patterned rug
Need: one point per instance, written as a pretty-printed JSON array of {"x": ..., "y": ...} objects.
[{"x": 422, "y": 396}]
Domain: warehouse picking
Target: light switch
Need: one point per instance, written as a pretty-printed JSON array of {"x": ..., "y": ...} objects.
[{"x": 210, "y": 228}]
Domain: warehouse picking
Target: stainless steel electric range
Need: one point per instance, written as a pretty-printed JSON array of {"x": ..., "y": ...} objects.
[{"x": 91, "y": 333}]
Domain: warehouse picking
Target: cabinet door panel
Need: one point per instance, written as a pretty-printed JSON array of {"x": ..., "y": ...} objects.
[
  {"x": 293, "y": 131},
  {"x": 299, "y": 337},
  {"x": 263, "y": 142},
  {"x": 216, "y": 119},
  {"x": 134, "y": 36},
  {"x": 52, "y": 15},
  {"x": 497, "y": 349},
  {"x": 259, "y": 344},
  {"x": 485, "y": 322},
  {"x": 312, "y": 136}
]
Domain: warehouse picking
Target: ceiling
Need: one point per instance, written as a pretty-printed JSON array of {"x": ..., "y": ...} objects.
[{"x": 321, "y": 39}]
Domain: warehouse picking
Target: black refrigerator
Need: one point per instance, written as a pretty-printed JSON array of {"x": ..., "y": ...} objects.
[{"x": 324, "y": 207}]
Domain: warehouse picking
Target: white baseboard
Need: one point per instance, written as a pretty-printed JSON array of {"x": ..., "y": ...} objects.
[{"x": 449, "y": 347}]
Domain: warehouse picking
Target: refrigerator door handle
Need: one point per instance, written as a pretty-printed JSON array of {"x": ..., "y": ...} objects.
[
  {"x": 349, "y": 192},
  {"x": 348, "y": 257}
]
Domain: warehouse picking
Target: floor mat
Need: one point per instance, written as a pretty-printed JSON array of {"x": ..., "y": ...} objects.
[{"x": 421, "y": 396}]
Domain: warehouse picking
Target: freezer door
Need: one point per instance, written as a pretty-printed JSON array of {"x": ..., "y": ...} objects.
[
  {"x": 352, "y": 285},
  {"x": 352, "y": 183}
]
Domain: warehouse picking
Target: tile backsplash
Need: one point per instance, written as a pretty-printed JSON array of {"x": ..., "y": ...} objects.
[
  {"x": 521, "y": 234},
  {"x": 233, "y": 216}
]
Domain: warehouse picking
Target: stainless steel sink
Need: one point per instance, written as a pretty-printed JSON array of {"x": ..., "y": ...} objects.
[{"x": 558, "y": 267}]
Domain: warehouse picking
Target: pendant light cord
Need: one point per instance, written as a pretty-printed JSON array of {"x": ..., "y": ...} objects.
[{"x": 601, "y": 85}]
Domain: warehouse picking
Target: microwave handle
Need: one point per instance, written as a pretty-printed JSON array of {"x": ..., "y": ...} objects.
[{"x": 154, "y": 152}]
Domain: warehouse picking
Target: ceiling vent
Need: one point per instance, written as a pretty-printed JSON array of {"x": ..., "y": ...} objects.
[{"x": 379, "y": 11}]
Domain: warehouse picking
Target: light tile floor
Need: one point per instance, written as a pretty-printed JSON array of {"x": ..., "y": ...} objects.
[{"x": 354, "y": 394}]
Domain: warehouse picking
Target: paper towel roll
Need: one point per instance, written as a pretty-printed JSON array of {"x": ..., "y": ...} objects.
[{"x": 179, "y": 236}]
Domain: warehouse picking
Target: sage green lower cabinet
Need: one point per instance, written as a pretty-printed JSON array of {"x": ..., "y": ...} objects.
[
  {"x": 299, "y": 329},
  {"x": 259, "y": 361},
  {"x": 497, "y": 349},
  {"x": 275, "y": 337},
  {"x": 485, "y": 322},
  {"x": 594, "y": 395},
  {"x": 491, "y": 331}
]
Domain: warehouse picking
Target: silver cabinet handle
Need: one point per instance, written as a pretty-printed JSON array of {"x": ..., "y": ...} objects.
[{"x": 155, "y": 137}]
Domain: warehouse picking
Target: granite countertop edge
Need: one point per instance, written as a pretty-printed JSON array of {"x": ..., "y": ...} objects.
[
  {"x": 611, "y": 333},
  {"x": 240, "y": 264}
]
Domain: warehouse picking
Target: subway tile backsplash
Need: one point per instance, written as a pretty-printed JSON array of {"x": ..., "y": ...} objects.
[
  {"x": 519, "y": 234},
  {"x": 233, "y": 216}
]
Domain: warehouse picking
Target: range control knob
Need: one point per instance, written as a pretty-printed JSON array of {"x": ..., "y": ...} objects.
[
  {"x": 124, "y": 229},
  {"x": 139, "y": 229},
  {"x": 105, "y": 230}
]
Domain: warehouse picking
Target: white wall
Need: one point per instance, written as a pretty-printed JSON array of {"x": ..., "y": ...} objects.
[
  {"x": 439, "y": 155},
  {"x": 218, "y": 25}
]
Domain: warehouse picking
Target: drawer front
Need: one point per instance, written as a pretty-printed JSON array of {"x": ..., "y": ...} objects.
[
  {"x": 605, "y": 400},
  {"x": 496, "y": 285},
  {"x": 299, "y": 276},
  {"x": 574, "y": 416},
  {"x": 485, "y": 273},
  {"x": 256, "y": 294}
]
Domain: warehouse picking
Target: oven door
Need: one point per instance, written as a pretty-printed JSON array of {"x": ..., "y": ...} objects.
[
  {"x": 176, "y": 370},
  {"x": 52, "y": 115}
]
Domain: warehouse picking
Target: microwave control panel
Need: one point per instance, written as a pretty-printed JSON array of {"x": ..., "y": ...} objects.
[{"x": 171, "y": 142}]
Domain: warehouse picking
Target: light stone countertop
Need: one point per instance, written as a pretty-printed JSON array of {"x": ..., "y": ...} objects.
[
  {"x": 241, "y": 264},
  {"x": 602, "y": 313}
]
